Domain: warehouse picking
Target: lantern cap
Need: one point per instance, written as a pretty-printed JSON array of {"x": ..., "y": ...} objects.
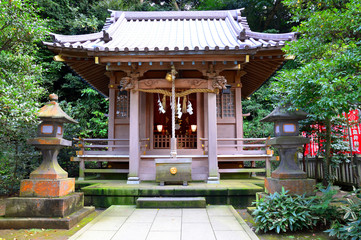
[
  {"x": 52, "y": 110},
  {"x": 281, "y": 113}
]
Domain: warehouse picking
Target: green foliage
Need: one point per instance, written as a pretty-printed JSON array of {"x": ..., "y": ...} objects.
[
  {"x": 20, "y": 26},
  {"x": 70, "y": 17},
  {"x": 282, "y": 212},
  {"x": 20, "y": 90},
  {"x": 261, "y": 15},
  {"x": 327, "y": 81},
  {"x": 351, "y": 229},
  {"x": 322, "y": 209},
  {"x": 89, "y": 109},
  {"x": 259, "y": 105}
]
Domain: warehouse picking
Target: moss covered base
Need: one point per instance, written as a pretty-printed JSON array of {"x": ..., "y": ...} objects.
[
  {"x": 45, "y": 223},
  {"x": 234, "y": 192}
]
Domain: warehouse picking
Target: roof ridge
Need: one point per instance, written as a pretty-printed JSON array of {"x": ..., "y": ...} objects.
[{"x": 141, "y": 15}]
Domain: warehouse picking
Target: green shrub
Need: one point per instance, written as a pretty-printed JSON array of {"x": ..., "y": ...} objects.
[
  {"x": 321, "y": 208},
  {"x": 283, "y": 212},
  {"x": 351, "y": 228}
]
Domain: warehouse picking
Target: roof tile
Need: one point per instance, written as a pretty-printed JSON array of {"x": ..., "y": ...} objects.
[{"x": 172, "y": 31}]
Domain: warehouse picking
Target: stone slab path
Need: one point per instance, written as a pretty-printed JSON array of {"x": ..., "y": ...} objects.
[{"x": 128, "y": 222}]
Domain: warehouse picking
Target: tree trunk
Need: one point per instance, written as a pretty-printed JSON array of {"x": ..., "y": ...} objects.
[
  {"x": 272, "y": 13},
  {"x": 15, "y": 167},
  {"x": 327, "y": 159},
  {"x": 176, "y": 7}
]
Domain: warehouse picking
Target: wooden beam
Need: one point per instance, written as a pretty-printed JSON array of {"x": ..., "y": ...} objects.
[
  {"x": 171, "y": 58},
  {"x": 179, "y": 83},
  {"x": 220, "y": 66}
]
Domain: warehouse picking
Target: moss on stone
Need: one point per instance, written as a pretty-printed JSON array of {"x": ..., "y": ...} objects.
[
  {"x": 217, "y": 200},
  {"x": 161, "y": 192}
]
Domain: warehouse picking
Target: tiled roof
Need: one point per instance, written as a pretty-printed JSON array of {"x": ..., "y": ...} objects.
[{"x": 170, "y": 31}]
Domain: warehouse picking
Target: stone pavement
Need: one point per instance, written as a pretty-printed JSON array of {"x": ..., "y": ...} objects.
[{"x": 128, "y": 222}]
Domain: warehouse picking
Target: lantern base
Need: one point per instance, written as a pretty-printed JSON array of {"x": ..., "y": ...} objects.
[
  {"x": 35, "y": 212},
  {"x": 293, "y": 186},
  {"x": 47, "y": 187},
  {"x": 289, "y": 174}
]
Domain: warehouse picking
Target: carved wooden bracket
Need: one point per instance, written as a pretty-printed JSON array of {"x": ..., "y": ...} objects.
[
  {"x": 127, "y": 83},
  {"x": 219, "y": 82}
]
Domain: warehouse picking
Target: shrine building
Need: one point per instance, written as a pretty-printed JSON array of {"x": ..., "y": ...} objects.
[{"x": 216, "y": 61}]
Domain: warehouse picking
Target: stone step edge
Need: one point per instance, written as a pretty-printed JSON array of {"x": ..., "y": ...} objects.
[
  {"x": 171, "y": 202},
  {"x": 171, "y": 199}
]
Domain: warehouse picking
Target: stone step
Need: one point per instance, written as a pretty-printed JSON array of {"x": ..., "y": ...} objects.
[{"x": 171, "y": 202}]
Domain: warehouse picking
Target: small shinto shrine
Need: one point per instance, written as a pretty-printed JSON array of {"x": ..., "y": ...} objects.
[{"x": 175, "y": 83}]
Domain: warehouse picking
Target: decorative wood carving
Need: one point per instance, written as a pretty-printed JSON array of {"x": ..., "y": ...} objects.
[
  {"x": 219, "y": 82},
  {"x": 126, "y": 83},
  {"x": 187, "y": 83}
]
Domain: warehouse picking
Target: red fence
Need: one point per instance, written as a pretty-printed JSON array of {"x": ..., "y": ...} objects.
[{"x": 355, "y": 132}]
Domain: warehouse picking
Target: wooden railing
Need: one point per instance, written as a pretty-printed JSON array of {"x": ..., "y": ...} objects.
[
  {"x": 242, "y": 150},
  {"x": 117, "y": 150},
  {"x": 343, "y": 173},
  {"x": 89, "y": 146},
  {"x": 104, "y": 150},
  {"x": 242, "y": 145},
  {"x": 183, "y": 141}
]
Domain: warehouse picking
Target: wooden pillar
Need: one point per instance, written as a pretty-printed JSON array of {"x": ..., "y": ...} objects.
[
  {"x": 134, "y": 149},
  {"x": 111, "y": 113},
  {"x": 213, "y": 176},
  {"x": 239, "y": 118}
]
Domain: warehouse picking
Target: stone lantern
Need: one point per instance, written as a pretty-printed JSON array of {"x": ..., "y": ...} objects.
[
  {"x": 287, "y": 141},
  {"x": 47, "y": 199},
  {"x": 49, "y": 141}
]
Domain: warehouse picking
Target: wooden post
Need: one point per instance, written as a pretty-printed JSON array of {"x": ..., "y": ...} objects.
[
  {"x": 213, "y": 176},
  {"x": 111, "y": 113},
  {"x": 134, "y": 150},
  {"x": 268, "y": 167},
  {"x": 81, "y": 169},
  {"x": 239, "y": 118}
]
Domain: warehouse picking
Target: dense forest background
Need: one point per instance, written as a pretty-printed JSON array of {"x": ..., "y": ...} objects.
[{"x": 28, "y": 73}]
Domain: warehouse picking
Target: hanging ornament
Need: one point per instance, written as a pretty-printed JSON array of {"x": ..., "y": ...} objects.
[
  {"x": 184, "y": 105},
  {"x": 160, "y": 105},
  {"x": 171, "y": 102},
  {"x": 164, "y": 101},
  {"x": 179, "y": 109},
  {"x": 190, "y": 108}
]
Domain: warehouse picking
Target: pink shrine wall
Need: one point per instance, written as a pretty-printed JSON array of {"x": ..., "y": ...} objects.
[{"x": 226, "y": 128}]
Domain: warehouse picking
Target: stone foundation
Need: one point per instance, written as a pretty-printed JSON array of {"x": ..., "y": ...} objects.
[
  {"x": 48, "y": 223},
  {"x": 44, "y": 207},
  {"x": 56, "y": 213}
]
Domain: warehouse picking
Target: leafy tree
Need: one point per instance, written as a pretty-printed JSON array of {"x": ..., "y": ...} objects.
[
  {"x": 327, "y": 82},
  {"x": 259, "y": 105},
  {"x": 261, "y": 15},
  {"x": 20, "y": 89}
]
